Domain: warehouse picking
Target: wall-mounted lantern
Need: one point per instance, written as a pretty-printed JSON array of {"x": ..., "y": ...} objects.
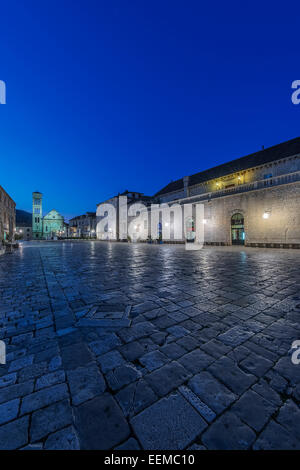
[{"x": 266, "y": 214}]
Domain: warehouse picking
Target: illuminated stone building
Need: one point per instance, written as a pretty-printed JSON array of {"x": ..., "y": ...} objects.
[
  {"x": 23, "y": 225},
  {"x": 83, "y": 226},
  {"x": 253, "y": 200},
  {"x": 50, "y": 226},
  {"x": 115, "y": 229},
  {"x": 7, "y": 217}
]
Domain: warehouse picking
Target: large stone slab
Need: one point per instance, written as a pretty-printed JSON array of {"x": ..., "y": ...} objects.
[
  {"x": 85, "y": 383},
  {"x": 289, "y": 418},
  {"x": 195, "y": 361},
  {"x": 106, "y": 343},
  {"x": 254, "y": 410},
  {"x": 228, "y": 433},
  {"x": 9, "y": 411},
  {"x": 122, "y": 375},
  {"x": 65, "y": 439},
  {"x": 50, "y": 419},
  {"x": 135, "y": 397},
  {"x": 44, "y": 397},
  {"x": 235, "y": 336},
  {"x": 14, "y": 434},
  {"x": 231, "y": 375},
  {"x": 256, "y": 365},
  {"x": 110, "y": 360},
  {"x": 171, "y": 423},
  {"x": 101, "y": 424},
  {"x": 167, "y": 378},
  {"x": 75, "y": 355},
  {"x": 276, "y": 437},
  {"x": 153, "y": 360},
  {"x": 212, "y": 392}
]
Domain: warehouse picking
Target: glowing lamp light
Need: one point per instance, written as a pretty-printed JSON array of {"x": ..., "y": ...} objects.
[
  {"x": 166, "y": 224},
  {"x": 204, "y": 221},
  {"x": 266, "y": 215}
]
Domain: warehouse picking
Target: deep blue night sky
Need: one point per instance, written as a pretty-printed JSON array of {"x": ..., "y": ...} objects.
[{"x": 104, "y": 96}]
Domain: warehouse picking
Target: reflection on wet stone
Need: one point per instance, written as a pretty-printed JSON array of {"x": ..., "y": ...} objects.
[{"x": 128, "y": 346}]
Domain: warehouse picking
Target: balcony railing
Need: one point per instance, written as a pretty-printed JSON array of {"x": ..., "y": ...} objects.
[{"x": 242, "y": 188}]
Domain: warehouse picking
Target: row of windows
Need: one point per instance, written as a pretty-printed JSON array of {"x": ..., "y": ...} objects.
[{"x": 6, "y": 201}]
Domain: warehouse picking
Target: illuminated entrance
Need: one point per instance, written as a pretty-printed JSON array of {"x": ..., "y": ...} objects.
[{"x": 237, "y": 229}]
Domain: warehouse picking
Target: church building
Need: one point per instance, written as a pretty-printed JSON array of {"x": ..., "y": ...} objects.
[{"x": 49, "y": 227}]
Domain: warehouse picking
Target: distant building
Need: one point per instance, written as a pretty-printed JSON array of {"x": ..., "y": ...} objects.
[
  {"x": 53, "y": 225},
  {"x": 49, "y": 227},
  {"x": 24, "y": 233},
  {"x": 37, "y": 215},
  {"x": 119, "y": 230},
  {"x": 23, "y": 225},
  {"x": 7, "y": 217},
  {"x": 83, "y": 226}
]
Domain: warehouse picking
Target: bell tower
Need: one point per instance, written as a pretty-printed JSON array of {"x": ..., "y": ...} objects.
[{"x": 37, "y": 215}]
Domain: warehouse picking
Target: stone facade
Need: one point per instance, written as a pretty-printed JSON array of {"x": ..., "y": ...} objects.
[
  {"x": 267, "y": 196},
  {"x": 83, "y": 226},
  {"x": 282, "y": 227},
  {"x": 53, "y": 225},
  {"x": 23, "y": 225},
  {"x": 254, "y": 201},
  {"x": 7, "y": 217},
  {"x": 108, "y": 218},
  {"x": 50, "y": 226},
  {"x": 24, "y": 232}
]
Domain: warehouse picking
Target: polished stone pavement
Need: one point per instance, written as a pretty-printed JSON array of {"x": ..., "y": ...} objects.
[{"x": 129, "y": 346}]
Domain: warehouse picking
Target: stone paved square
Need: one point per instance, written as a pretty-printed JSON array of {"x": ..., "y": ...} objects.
[{"x": 140, "y": 346}]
